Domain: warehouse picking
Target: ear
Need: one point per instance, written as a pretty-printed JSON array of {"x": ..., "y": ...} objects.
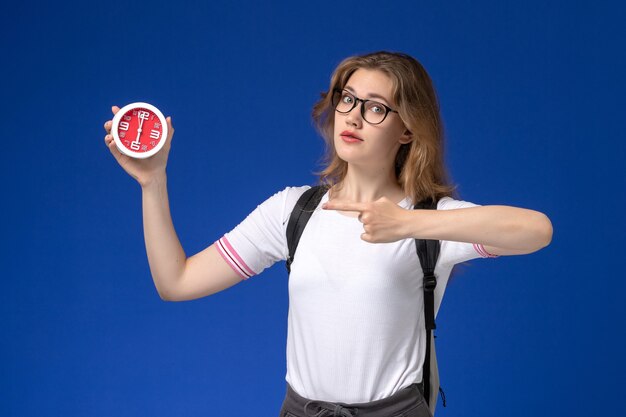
[{"x": 407, "y": 137}]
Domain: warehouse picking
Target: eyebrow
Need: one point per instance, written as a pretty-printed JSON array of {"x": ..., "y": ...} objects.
[{"x": 371, "y": 95}]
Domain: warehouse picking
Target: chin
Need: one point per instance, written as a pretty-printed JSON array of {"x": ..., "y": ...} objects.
[
  {"x": 351, "y": 158},
  {"x": 345, "y": 153}
]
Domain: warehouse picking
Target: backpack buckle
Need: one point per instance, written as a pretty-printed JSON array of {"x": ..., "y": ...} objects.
[{"x": 430, "y": 282}]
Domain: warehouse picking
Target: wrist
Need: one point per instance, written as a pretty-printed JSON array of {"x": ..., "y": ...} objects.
[
  {"x": 422, "y": 223},
  {"x": 153, "y": 181}
]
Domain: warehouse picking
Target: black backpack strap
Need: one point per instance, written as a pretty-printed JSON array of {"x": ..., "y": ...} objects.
[
  {"x": 300, "y": 215},
  {"x": 428, "y": 252}
]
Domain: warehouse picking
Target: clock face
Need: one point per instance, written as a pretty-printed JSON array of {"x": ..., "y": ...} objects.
[{"x": 139, "y": 130}]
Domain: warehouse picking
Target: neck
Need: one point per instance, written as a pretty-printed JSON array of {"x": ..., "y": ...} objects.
[{"x": 361, "y": 185}]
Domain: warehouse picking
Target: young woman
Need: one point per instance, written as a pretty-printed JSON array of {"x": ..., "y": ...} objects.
[{"x": 356, "y": 337}]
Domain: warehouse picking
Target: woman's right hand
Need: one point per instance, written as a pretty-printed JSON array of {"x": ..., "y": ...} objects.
[{"x": 145, "y": 171}]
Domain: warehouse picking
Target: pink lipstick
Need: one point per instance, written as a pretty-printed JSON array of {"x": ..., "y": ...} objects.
[{"x": 350, "y": 137}]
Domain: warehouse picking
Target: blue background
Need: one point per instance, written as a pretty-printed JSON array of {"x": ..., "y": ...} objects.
[{"x": 532, "y": 95}]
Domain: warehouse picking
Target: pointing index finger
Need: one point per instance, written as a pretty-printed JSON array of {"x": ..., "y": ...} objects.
[{"x": 344, "y": 206}]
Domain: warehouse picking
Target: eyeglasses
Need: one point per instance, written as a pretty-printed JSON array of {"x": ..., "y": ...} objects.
[{"x": 372, "y": 112}]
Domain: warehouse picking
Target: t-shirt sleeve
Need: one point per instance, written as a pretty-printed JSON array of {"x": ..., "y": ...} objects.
[
  {"x": 260, "y": 239},
  {"x": 456, "y": 252}
]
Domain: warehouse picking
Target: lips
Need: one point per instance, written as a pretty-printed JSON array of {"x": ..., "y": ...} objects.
[{"x": 349, "y": 135}]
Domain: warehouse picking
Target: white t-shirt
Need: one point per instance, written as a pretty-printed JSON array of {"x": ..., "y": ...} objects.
[{"x": 355, "y": 329}]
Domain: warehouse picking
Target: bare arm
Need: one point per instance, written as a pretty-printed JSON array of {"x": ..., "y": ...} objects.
[
  {"x": 502, "y": 230},
  {"x": 175, "y": 276}
]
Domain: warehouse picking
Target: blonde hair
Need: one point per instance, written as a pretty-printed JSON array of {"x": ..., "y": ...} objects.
[{"x": 419, "y": 165}]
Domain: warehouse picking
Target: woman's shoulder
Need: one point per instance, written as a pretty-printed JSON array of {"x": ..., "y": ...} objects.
[
  {"x": 284, "y": 201},
  {"x": 291, "y": 193},
  {"x": 449, "y": 203},
  {"x": 444, "y": 203}
]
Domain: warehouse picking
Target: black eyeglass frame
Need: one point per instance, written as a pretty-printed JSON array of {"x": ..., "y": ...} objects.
[{"x": 356, "y": 101}]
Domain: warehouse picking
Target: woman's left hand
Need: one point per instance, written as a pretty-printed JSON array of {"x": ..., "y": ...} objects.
[{"x": 383, "y": 220}]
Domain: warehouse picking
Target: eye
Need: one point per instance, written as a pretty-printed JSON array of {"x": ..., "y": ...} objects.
[
  {"x": 347, "y": 98},
  {"x": 376, "y": 108}
]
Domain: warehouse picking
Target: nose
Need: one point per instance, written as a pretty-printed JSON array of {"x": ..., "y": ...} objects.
[{"x": 354, "y": 116}]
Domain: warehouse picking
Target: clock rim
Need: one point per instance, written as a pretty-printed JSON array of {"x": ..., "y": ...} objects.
[{"x": 118, "y": 141}]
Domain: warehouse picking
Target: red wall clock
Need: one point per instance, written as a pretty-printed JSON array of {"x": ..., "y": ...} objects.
[{"x": 139, "y": 130}]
